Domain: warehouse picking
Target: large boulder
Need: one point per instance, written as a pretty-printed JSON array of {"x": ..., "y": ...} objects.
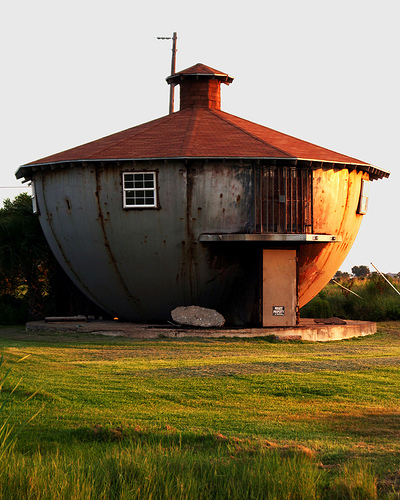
[{"x": 198, "y": 316}]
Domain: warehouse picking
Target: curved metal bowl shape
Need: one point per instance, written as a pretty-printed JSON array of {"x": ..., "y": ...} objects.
[
  {"x": 336, "y": 196},
  {"x": 139, "y": 264}
]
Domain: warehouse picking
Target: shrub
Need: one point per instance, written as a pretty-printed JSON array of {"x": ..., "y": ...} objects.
[
  {"x": 317, "y": 308},
  {"x": 13, "y": 310},
  {"x": 376, "y": 301}
]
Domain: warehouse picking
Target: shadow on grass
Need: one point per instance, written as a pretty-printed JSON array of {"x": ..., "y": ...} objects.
[
  {"x": 165, "y": 437},
  {"x": 243, "y": 462},
  {"x": 368, "y": 425}
]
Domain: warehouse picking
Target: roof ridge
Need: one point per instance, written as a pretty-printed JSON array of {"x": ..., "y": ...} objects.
[
  {"x": 217, "y": 112},
  {"x": 283, "y": 134},
  {"x": 190, "y": 134}
]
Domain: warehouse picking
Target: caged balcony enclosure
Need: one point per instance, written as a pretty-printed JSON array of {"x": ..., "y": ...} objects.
[{"x": 283, "y": 200}]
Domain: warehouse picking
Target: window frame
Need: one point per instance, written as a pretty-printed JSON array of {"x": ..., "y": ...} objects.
[
  {"x": 35, "y": 206},
  {"x": 152, "y": 189},
  {"x": 364, "y": 197}
]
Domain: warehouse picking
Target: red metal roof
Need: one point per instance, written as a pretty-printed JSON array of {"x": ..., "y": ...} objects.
[
  {"x": 200, "y": 69},
  {"x": 200, "y": 131}
]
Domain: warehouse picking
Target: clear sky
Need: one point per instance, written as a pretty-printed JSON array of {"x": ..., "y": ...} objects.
[{"x": 323, "y": 71}]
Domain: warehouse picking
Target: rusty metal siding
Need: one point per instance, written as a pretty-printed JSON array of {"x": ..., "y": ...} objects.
[
  {"x": 336, "y": 196},
  {"x": 74, "y": 229},
  {"x": 140, "y": 264}
]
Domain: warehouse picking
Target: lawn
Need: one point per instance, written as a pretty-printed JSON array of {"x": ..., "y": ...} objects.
[{"x": 205, "y": 418}]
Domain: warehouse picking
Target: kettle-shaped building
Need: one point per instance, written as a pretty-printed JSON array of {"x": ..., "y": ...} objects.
[{"x": 201, "y": 207}]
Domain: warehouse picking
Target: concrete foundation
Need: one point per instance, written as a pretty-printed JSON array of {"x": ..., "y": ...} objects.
[{"x": 308, "y": 330}]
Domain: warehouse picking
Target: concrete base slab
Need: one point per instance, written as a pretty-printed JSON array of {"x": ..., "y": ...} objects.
[{"x": 306, "y": 330}]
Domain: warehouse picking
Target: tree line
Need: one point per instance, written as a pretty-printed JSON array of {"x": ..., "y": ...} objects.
[
  {"x": 32, "y": 283},
  {"x": 361, "y": 272}
]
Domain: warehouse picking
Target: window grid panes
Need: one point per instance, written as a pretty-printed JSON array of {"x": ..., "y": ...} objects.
[{"x": 139, "y": 190}]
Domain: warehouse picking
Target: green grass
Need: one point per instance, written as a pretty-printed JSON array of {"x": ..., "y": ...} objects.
[{"x": 217, "y": 418}]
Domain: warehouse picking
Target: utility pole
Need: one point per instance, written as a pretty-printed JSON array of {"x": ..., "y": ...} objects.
[
  {"x": 174, "y": 39},
  {"x": 173, "y": 68}
]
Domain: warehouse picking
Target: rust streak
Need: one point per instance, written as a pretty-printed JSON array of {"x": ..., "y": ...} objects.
[
  {"x": 66, "y": 260},
  {"x": 108, "y": 248}
]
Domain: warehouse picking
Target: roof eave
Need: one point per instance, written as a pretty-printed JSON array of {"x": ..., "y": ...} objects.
[
  {"x": 25, "y": 171},
  {"x": 222, "y": 77},
  {"x": 375, "y": 172}
]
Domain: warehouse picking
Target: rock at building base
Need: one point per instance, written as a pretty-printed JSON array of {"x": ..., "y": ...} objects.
[
  {"x": 330, "y": 321},
  {"x": 198, "y": 316}
]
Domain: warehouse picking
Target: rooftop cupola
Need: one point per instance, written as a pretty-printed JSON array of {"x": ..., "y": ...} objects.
[{"x": 200, "y": 86}]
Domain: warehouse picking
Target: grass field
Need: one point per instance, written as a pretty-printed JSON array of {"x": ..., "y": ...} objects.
[{"x": 217, "y": 418}]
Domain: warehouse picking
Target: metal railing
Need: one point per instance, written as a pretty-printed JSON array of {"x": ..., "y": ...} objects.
[{"x": 283, "y": 200}]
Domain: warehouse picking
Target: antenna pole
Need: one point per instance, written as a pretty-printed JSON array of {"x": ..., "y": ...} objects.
[
  {"x": 174, "y": 38},
  {"x": 173, "y": 68}
]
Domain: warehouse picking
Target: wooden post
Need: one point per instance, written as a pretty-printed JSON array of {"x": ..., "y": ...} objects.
[{"x": 173, "y": 68}]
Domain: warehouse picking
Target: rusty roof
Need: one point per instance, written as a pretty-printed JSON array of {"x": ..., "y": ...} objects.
[
  {"x": 202, "y": 133},
  {"x": 200, "y": 70}
]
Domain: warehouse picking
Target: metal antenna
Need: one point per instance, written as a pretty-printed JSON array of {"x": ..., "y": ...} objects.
[{"x": 174, "y": 39}]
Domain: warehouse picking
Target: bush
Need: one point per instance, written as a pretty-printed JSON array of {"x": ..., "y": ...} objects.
[
  {"x": 376, "y": 301},
  {"x": 317, "y": 308},
  {"x": 13, "y": 310}
]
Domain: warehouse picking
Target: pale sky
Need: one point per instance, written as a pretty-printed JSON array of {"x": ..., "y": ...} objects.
[{"x": 324, "y": 71}]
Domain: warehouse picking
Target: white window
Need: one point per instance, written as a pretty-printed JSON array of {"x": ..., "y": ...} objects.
[{"x": 139, "y": 189}]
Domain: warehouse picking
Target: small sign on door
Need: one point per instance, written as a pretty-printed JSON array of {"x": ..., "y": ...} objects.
[{"x": 278, "y": 310}]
